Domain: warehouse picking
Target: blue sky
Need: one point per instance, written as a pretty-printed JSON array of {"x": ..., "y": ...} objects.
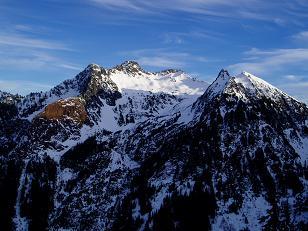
[{"x": 44, "y": 42}]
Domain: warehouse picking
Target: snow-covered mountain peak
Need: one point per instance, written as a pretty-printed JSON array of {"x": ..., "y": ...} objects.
[
  {"x": 129, "y": 67},
  {"x": 93, "y": 66},
  {"x": 220, "y": 82},
  {"x": 218, "y": 86},
  {"x": 258, "y": 87},
  {"x": 97, "y": 83},
  {"x": 92, "y": 71},
  {"x": 223, "y": 75},
  {"x": 251, "y": 81},
  {"x": 244, "y": 85},
  {"x": 130, "y": 64}
]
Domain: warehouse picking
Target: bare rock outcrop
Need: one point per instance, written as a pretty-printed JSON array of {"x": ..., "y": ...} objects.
[{"x": 73, "y": 108}]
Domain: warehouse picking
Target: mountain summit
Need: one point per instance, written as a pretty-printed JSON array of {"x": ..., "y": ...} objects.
[
  {"x": 130, "y": 67},
  {"x": 127, "y": 149}
]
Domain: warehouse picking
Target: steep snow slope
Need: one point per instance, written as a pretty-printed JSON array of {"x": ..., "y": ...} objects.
[
  {"x": 130, "y": 76},
  {"x": 175, "y": 83}
]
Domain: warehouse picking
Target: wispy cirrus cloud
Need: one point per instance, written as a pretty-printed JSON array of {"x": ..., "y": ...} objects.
[
  {"x": 182, "y": 37},
  {"x": 278, "y": 12},
  {"x": 301, "y": 36},
  {"x": 192, "y": 6},
  {"x": 293, "y": 78},
  {"x": 121, "y": 4},
  {"x": 23, "y": 41},
  {"x": 23, "y": 48},
  {"x": 267, "y": 61},
  {"x": 32, "y": 60}
]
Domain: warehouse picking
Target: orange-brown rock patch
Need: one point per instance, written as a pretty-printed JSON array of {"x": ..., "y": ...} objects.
[{"x": 73, "y": 108}]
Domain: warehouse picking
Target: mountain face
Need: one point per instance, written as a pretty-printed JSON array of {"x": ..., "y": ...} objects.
[{"x": 126, "y": 149}]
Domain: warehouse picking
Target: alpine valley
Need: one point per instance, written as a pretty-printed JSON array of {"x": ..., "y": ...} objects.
[{"x": 126, "y": 149}]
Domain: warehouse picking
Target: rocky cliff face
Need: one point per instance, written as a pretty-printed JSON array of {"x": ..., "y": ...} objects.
[
  {"x": 73, "y": 108},
  {"x": 126, "y": 149}
]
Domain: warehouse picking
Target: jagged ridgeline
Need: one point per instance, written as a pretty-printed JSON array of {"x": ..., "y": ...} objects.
[{"x": 128, "y": 149}]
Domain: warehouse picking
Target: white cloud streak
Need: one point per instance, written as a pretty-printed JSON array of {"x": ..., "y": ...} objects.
[
  {"x": 31, "y": 59},
  {"x": 271, "y": 11},
  {"x": 23, "y": 41},
  {"x": 301, "y": 36},
  {"x": 267, "y": 61},
  {"x": 21, "y": 51},
  {"x": 193, "y": 6},
  {"x": 182, "y": 37},
  {"x": 293, "y": 77}
]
